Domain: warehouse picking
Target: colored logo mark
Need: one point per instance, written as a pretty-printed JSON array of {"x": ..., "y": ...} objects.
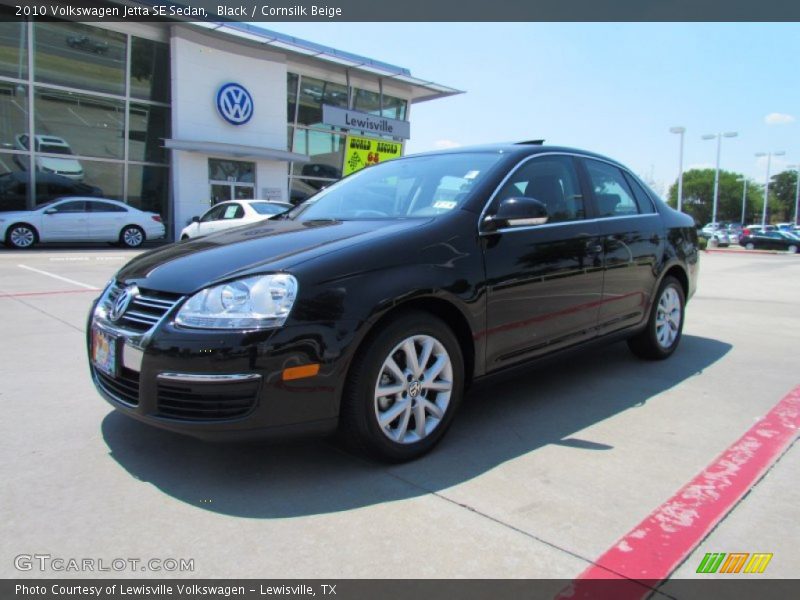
[
  {"x": 734, "y": 562},
  {"x": 234, "y": 104}
]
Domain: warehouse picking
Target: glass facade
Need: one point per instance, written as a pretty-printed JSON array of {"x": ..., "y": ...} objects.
[
  {"x": 325, "y": 143},
  {"x": 83, "y": 111}
]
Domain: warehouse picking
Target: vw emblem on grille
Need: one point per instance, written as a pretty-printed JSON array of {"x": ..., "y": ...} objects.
[
  {"x": 234, "y": 104},
  {"x": 122, "y": 302}
]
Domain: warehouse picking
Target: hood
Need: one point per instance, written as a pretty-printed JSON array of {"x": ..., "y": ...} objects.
[{"x": 269, "y": 245}]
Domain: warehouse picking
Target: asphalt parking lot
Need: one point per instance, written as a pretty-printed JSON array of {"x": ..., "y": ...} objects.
[{"x": 540, "y": 474}]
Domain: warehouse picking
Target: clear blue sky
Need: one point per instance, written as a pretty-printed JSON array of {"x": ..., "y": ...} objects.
[{"x": 607, "y": 87}]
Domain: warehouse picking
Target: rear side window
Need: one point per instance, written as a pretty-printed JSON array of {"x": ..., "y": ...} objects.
[
  {"x": 642, "y": 197},
  {"x": 553, "y": 181},
  {"x": 611, "y": 191},
  {"x": 265, "y": 208},
  {"x": 104, "y": 207}
]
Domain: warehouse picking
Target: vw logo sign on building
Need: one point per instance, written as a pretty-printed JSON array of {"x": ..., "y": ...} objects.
[{"x": 234, "y": 104}]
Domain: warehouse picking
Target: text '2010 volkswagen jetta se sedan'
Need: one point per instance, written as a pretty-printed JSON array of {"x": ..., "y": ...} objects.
[{"x": 373, "y": 305}]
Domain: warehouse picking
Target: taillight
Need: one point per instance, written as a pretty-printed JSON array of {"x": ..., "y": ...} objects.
[{"x": 156, "y": 218}]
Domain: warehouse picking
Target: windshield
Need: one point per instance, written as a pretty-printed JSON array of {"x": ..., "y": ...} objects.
[{"x": 421, "y": 186}]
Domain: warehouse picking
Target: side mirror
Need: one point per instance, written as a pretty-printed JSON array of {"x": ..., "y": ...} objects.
[
  {"x": 195, "y": 219},
  {"x": 518, "y": 211},
  {"x": 50, "y": 211}
]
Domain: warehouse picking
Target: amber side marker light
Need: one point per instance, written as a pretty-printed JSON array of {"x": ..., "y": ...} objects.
[{"x": 300, "y": 372}]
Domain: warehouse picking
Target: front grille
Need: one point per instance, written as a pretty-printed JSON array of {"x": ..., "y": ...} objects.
[
  {"x": 145, "y": 309},
  {"x": 124, "y": 388},
  {"x": 206, "y": 401}
]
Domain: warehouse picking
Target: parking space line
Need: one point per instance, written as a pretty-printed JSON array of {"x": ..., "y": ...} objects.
[
  {"x": 60, "y": 278},
  {"x": 653, "y": 549},
  {"x": 53, "y": 293}
]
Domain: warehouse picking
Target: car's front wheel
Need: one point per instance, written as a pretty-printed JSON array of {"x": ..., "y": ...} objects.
[
  {"x": 403, "y": 389},
  {"x": 750, "y": 245},
  {"x": 662, "y": 334},
  {"x": 21, "y": 236},
  {"x": 793, "y": 249},
  {"x": 131, "y": 236}
]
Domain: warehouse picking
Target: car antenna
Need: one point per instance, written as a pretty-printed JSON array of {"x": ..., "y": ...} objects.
[{"x": 531, "y": 142}]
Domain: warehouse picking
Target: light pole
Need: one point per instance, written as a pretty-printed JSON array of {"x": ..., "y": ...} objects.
[
  {"x": 796, "y": 192},
  {"x": 744, "y": 198},
  {"x": 718, "y": 137},
  {"x": 680, "y": 131},
  {"x": 769, "y": 156}
]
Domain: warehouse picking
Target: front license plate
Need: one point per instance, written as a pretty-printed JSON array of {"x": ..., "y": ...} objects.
[{"x": 104, "y": 352}]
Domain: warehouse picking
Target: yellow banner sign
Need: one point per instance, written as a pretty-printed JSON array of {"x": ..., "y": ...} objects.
[{"x": 363, "y": 152}]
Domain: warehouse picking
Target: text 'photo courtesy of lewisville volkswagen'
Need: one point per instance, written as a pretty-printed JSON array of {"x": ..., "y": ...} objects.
[{"x": 371, "y": 307}]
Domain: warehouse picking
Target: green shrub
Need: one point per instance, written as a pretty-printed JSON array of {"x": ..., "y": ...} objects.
[{"x": 702, "y": 243}]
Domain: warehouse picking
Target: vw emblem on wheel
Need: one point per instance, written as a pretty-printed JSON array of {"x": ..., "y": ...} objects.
[
  {"x": 122, "y": 302},
  {"x": 414, "y": 389},
  {"x": 234, "y": 104}
]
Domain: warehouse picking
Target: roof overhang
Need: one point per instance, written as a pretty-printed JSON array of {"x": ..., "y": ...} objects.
[
  {"x": 422, "y": 89},
  {"x": 235, "y": 150}
]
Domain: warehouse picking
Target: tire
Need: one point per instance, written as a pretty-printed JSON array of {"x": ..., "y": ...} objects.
[
  {"x": 750, "y": 246},
  {"x": 131, "y": 236},
  {"x": 184, "y": 237},
  {"x": 659, "y": 339},
  {"x": 792, "y": 249},
  {"x": 434, "y": 402},
  {"x": 21, "y": 236}
]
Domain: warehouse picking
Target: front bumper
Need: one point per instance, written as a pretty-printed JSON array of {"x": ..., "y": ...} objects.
[{"x": 220, "y": 385}]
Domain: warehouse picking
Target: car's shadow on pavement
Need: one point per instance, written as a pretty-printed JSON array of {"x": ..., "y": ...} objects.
[{"x": 499, "y": 421}]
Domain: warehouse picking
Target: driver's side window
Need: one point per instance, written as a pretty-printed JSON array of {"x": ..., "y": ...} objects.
[
  {"x": 553, "y": 181},
  {"x": 214, "y": 214}
]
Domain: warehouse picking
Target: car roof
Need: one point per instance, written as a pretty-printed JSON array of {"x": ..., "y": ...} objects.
[{"x": 521, "y": 149}]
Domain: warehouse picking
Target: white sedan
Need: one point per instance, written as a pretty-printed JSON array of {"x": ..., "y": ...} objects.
[
  {"x": 80, "y": 220},
  {"x": 234, "y": 213}
]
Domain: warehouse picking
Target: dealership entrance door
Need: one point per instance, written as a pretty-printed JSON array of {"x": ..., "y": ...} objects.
[{"x": 231, "y": 180}]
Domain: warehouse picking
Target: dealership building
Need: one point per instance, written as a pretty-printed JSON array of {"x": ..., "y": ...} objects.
[{"x": 175, "y": 117}]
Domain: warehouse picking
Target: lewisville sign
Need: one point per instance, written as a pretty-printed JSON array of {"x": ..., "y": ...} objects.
[{"x": 354, "y": 119}]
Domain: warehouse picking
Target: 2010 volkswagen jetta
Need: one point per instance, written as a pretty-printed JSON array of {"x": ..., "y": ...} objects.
[{"x": 372, "y": 306}]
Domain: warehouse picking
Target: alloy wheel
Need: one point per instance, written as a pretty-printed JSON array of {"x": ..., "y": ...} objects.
[
  {"x": 668, "y": 317},
  {"x": 132, "y": 237},
  {"x": 413, "y": 389},
  {"x": 22, "y": 237}
]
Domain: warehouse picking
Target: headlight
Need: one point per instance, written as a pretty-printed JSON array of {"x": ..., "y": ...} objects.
[{"x": 257, "y": 302}]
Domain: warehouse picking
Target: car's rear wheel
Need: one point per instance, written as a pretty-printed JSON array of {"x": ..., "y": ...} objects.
[
  {"x": 750, "y": 245},
  {"x": 131, "y": 236},
  {"x": 403, "y": 389},
  {"x": 21, "y": 236},
  {"x": 664, "y": 328},
  {"x": 793, "y": 249}
]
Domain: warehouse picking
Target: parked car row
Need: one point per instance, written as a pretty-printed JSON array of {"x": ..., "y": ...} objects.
[
  {"x": 760, "y": 239},
  {"x": 91, "y": 219}
]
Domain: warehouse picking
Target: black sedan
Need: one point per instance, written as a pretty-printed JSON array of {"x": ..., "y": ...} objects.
[
  {"x": 371, "y": 307},
  {"x": 770, "y": 240}
]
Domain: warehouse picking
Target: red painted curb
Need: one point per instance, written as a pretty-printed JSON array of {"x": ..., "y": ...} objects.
[{"x": 653, "y": 549}]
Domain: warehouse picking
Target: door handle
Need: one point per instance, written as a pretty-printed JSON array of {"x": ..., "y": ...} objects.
[{"x": 594, "y": 247}]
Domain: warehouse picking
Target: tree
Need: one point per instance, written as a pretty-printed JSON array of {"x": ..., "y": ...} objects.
[
  {"x": 782, "y": 195},
  {"x": 698, "y": 196}
]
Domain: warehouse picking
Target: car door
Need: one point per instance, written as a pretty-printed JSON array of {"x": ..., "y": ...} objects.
[
  {"x": 543, "y": 281},
  {"x": 64, "y": 221},
  {"x": 209, "y": 222},
  {"x": 232, "y": 216},
  {"x": 633, "y": 239},
  {"x": 106, "y": 220}
]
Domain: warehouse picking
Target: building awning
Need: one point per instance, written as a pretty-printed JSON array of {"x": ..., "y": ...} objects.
[{"x": 235, "y": 150}]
